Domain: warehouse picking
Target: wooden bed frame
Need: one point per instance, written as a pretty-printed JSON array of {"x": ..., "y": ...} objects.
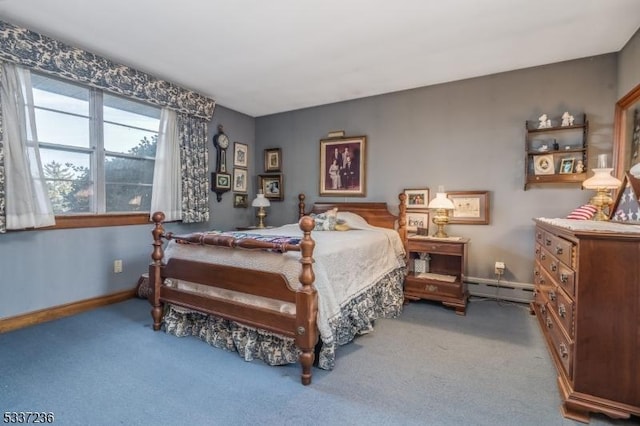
[{"x": 302, "y": 325}]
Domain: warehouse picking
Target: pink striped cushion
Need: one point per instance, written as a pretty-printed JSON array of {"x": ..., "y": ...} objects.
[{"x": 585, "y": 212}]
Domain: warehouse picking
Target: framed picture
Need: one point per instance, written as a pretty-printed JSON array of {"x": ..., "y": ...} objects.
[
  {"x": 626, "y": 132},
  {"x": 240, "y": 177},
  {"x": 471, "y": 207},
  {"x": 271, "y": 186},
  {"x": 416, "y": 198},
  {"x": 240, "y": 200},
  {"x": 566, "y": 166},
  {"x": 417, "y": 220},
  {"x": 240, "y": 154},
  {"x": 220, "y": 181},
  {"x": 272, "y": 160},
  {"x": 543, "y": 165},
  {"x": 343, "y": 167}
]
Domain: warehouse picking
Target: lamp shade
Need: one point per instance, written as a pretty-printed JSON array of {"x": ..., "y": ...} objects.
[
  {"x": 441, "y": 202},
  {"x": 601, "y": 179},
  {"x": 260, "y": 201}
]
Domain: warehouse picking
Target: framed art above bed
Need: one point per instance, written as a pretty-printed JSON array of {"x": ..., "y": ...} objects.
[{"x": 343, "y": 167}]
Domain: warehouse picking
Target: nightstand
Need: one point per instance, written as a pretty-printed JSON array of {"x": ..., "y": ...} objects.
[{"x": 443, "y": 281}]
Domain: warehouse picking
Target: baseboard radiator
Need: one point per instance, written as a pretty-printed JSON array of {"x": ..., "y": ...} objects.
[{"x": 500, "y": 290}]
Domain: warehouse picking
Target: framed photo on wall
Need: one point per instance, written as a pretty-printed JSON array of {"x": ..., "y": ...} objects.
[
  {"x": 417, "y": 220},
  {"x": 271, "y": 186},
  {"x": 471, "y": 207},
  {"x": 343, "y": 166},
  {"x": 240, "y": 177},
  {"x": 272, "y": 160},
  {"x": 240, "y": 154},
  {"x": 416, "y": 199},
  {"x": 240, "y": 200}
]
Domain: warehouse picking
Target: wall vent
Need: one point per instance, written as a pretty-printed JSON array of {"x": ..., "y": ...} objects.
[{"x": 500, "y": 290}]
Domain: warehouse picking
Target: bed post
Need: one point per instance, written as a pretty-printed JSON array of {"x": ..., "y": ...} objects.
[
  {"x": 306, "y": 303},
  {"x": 402, "y": 221},
  {"x": 155, "y": 278},
  {"x": 301, "y": 206}
]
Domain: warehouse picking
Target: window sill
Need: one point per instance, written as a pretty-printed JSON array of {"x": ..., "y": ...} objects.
[{"x": 99, "y": 220}]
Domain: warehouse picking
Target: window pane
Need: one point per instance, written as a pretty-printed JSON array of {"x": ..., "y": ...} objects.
[
  {"x": 59, "y": 95},
  {"x": 63, "y": 129},
  {"x": 68, "y": 178},
  {"x": 131, "y": 113},
  {"x": 129, "y": 183},
  {"x": 127, "y": 140}
]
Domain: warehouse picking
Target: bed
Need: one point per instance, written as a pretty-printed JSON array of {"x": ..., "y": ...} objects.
[{"x": 286, "y": 294}]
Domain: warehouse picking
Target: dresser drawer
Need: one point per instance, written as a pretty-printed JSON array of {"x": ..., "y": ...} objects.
[
  {"x": 566, "y": 279},
  {"x": 427, "y": 288},
  {"x": 558, "y": 247},
  {"x": 564, "y": 310},
  {"x": 562, "y": 346},
  {"x": 435, "y": 247}
]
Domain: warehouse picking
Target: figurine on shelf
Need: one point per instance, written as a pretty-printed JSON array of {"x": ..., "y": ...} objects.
[
  {"x": 579, "y": 167},
  {"x": 544, "y": 122},
  {"x": 567, "y": 119}
]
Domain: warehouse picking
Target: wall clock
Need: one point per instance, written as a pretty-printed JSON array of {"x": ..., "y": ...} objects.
[{"x": 220, "y": 180}]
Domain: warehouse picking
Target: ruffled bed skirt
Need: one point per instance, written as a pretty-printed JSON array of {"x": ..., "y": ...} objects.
[{"x": 382, "y": 300}]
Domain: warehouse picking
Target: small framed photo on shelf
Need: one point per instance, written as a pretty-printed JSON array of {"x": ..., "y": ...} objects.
[
  {"x": 240, "y": 154},
  {"x": 271, "y": 186},
  {"x": 272, "y": 160},
  {"x": 543, "y": 164},
  {"x": 416, "y": 199},
  {"x": 240, "y": 200},
  {"x": 470, "y": 207},
  {"x": 417, "y": 220},
  {"x": 240, "y": 177},
  {"x": 566, "y": 166}
]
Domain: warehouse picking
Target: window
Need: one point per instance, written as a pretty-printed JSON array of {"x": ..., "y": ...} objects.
[{"x": 97, "y": 149}]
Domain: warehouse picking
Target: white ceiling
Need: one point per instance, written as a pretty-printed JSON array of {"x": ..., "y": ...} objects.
[{"x": 262, "y": 57}]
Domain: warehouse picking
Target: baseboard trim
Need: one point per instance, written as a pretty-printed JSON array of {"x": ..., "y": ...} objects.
[
  {"x": 503, "y": 290},
  {"x": 56, "y": 312}
]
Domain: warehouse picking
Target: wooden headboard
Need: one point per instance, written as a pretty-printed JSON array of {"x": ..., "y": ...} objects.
[{"x": 376, "y": 214}]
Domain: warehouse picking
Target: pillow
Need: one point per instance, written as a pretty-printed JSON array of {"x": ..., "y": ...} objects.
[
  {"x": 325, "y": 221},
  {"x": 353, "y": 220},
  {"x": 585, "y": 212},
  {"x": 341, "y": 226}
]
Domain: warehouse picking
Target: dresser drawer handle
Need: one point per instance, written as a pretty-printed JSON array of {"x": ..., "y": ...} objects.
[
  {"x": 537, "y": 250},
  {"x": 542, "y": 256},
  {"x": 564, "y": 278},
  {"x": 554, "y": 267},
  {"x": 541, "y": 281},
  {"x": 552, "y": 295},
  {"x": 562, "y": 311},
  {"x": 548, "y": 242},
  {"x": 543, "y": 309},
  {"x": 563, "y": 350},
  {"x": 549, "y": 323},
  {"x": 539, "y": 235},
  {"x": 536, "y": 272},
  {"x": 558, "y": 250}
]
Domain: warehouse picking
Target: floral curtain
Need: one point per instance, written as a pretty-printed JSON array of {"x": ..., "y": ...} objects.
[
  {"x": 3, "y": 218},
  {"x": 194, "y": 161}
]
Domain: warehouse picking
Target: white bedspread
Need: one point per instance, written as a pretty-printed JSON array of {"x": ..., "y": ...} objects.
[{"x": 346, "y": 262}]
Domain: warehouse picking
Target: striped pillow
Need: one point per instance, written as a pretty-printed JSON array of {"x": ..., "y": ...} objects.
[{"x": 585, "y": 212}]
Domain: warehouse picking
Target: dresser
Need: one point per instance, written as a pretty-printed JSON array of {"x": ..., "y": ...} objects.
[
  {"x": 444, "y": 280},
  {"x": 587, "y": 302}
]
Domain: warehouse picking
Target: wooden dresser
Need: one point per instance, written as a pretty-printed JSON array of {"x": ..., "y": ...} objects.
[{"x": 587, "y": 301}]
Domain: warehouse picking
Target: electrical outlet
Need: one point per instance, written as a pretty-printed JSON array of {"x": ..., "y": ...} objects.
[
  {"x": 117, "y": 266},
  {"x": 499, "y": 268}
]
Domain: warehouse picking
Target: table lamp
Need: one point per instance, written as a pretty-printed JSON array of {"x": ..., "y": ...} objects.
[
  {"x": 261, "y": 202},
  {"x": 601, "y": 182},
  {"x": 441, "y": 204}
]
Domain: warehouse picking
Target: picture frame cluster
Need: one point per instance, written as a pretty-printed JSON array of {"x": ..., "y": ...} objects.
[
  {"x": 271, "y": 182},
  {"x": 240, "y": 175}
]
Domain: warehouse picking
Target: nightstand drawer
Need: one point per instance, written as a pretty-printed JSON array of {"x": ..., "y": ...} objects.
[
  {"x": 435, "y": 247},
  {"x": 421, "y": 287}
]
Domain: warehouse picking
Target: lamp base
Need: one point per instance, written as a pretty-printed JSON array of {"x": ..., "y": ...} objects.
[
  {"x": 440, "y": 219},
  {"x": 601, "y": 201},
  {"x": 261, "y": 215}
]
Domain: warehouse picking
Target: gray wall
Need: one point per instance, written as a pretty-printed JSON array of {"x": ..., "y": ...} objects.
[
  {"x": 465, "y": 135},
  {"x": 629, "y": 66}
]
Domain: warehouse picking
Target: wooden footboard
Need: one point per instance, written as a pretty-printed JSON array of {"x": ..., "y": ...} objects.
[{"x": 300, "y": 325}]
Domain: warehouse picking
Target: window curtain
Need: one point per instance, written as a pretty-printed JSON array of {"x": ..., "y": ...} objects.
[
  {"x": 167, "y": 183},
  {"x": 26, "y": 197},
  {"x": 3, "y": 217},
  {"x": 194, "y": 168}
]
